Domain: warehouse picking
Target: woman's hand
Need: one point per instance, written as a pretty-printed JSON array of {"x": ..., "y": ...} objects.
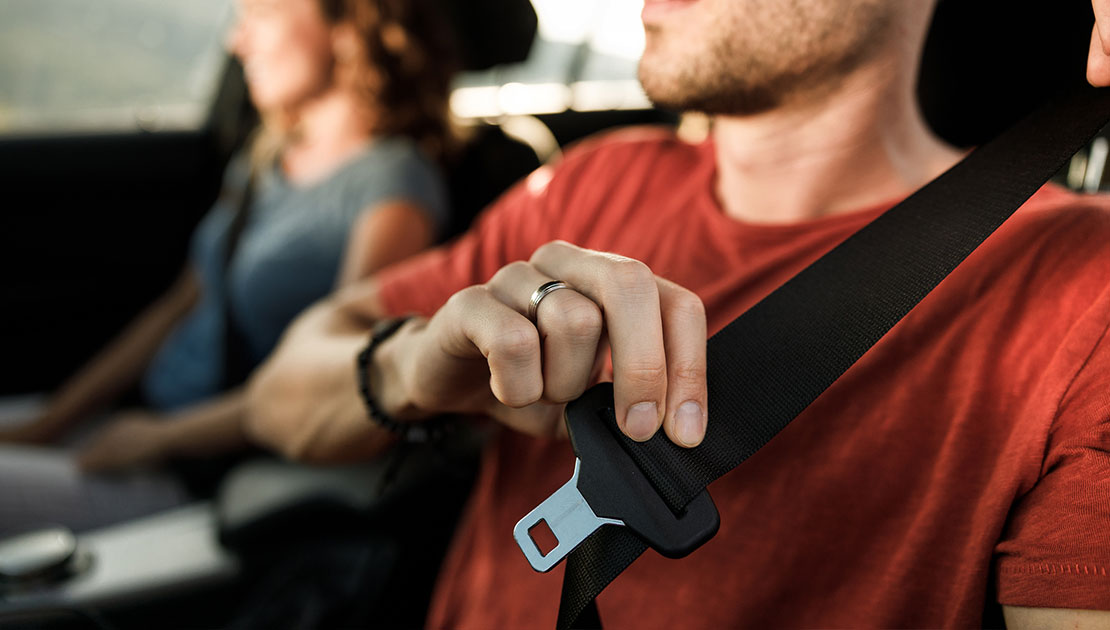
[
  {"x": 1098, "y": 60},
  {"x": 133, "y": 439},
  {"x": 480, "y": 352},
  {"x": 38, "y": 431}
]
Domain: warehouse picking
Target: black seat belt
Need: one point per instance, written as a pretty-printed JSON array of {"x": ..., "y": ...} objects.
[
  {"x": 770, "y": 363},
  {"x": 236, "y": 354},
  {"x": 202, "y": 476}
]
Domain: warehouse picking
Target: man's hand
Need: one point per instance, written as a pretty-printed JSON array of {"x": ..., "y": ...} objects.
[
  {"x": 481, "y": 353},
  {"x": 1098, "y": 60},
  {"x": 132, "y": 440}
]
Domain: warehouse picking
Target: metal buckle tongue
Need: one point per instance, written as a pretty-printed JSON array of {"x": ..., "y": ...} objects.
[
  {"x": 570, "y": 518},
  {"x": 608, "y": 488}
]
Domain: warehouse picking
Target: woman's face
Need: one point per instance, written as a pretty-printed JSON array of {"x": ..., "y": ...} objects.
[{"x": 286, "y": 50}]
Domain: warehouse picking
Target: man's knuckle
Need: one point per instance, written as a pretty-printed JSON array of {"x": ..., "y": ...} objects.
[
  {"x": 627, "y": 279},
  {"x": 511, "y": 270},
  {"x": 686, "y": 310},
  {"x": 631, "y": 272},
  {"x": 688, "y": 306},
  {"x": 690, "y": 370},
  {"x": 550, "y": 249},
  {"x": 466, "y": 300},
  {"x": 515, "y": 343},
  {"x": 644, "y": 375},
  {"x": 581, "y": 319}
]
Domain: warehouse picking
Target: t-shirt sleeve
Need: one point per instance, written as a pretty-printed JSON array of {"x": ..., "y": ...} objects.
[
  {"x": 511, "y": 229},
  {"x": 401, "y": 172},
  {"x": 1056, "y": 551}
]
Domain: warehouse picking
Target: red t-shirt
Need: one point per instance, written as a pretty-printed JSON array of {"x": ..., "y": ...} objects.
[{"x": 965, "y": 459}]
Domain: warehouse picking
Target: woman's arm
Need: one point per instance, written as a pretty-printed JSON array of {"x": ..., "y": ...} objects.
[
  {"x": 116, "y": 368},
  {"x": 384, "y": 234},
  {"x": 285, "y": 415},
  {"x": 139, "y": 438}
]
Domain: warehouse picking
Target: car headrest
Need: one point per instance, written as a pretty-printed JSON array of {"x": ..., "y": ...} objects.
[
  {"x": 987, "y": 64},
  {"x": 491, "y": 32}
]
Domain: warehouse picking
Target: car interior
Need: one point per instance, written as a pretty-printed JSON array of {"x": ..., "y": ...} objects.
[{"x": 283, "y": 545}]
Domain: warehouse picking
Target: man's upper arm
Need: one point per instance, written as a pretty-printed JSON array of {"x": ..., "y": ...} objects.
[{"x": 1055, "y": 551}]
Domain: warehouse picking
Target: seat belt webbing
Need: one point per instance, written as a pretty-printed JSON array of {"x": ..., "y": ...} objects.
[{"x": 770, "y": 363}]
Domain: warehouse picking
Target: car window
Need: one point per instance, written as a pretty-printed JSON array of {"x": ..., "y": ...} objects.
[
  {"x": 584, "y": 58},
  {"x": 83, "y": 65}
]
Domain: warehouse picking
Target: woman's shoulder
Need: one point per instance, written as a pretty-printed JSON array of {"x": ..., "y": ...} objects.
[
  {"x": 391, "y": 165},
  {"x": 396, "y": 153},
  {"x": 390, "y": 169}
]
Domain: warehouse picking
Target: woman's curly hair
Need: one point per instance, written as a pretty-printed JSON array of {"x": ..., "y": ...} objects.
[{"x": 403, "y": 69}]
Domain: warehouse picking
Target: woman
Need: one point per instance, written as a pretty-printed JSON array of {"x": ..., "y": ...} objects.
[{"x": 353, "y": 96}]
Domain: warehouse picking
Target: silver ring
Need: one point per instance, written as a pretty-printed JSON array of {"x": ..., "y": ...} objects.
[{"x": 539, "y": 294}]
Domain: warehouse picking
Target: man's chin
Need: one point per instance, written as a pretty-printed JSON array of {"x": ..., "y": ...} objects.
[
  {"x": 712, "y": 104},
  {"x": 668, "y": 87}
]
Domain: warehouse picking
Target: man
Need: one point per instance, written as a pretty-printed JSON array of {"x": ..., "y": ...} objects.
[{"x": 961, "y": 462}]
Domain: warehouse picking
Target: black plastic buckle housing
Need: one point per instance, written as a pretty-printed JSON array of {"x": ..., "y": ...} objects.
[{"x": 608, "y": 488}]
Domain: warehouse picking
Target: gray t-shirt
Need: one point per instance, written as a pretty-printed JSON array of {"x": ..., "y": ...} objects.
[{"x": 288, "y": 256}]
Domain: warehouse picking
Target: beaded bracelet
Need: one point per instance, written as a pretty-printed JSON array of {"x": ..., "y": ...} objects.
[{"x": 425, "y": 431}]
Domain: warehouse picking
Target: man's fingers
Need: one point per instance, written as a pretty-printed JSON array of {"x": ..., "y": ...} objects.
[
  {"x": 1102, "y": 24},
  {"x": 1098, "y": 61},
  {"x": 569, "y": 324},
  {"x": 626, "y": 291},
  {"x": 1098, "y": 58},
  {"x": 684, "y": 335},
  {"x": 508, "y": 341},
  {"x": 543, "y": 419},
  {"x": 655, "y": 328}
]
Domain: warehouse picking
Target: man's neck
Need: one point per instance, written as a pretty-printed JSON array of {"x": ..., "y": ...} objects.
[
  {"x": 863, "y": 144},
  {"x": 329, "y": 130}
]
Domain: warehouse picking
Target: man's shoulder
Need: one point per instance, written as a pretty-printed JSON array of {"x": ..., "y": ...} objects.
[
  {"x": 1058, "y": 219},
  {"x": 1056, "y": 244},
  {"x": 625, "y": 137},
  {"x": 1054, "y": 201}
]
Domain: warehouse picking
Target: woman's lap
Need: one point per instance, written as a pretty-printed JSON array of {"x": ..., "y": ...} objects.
[{"x": 41, "y": 486}]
